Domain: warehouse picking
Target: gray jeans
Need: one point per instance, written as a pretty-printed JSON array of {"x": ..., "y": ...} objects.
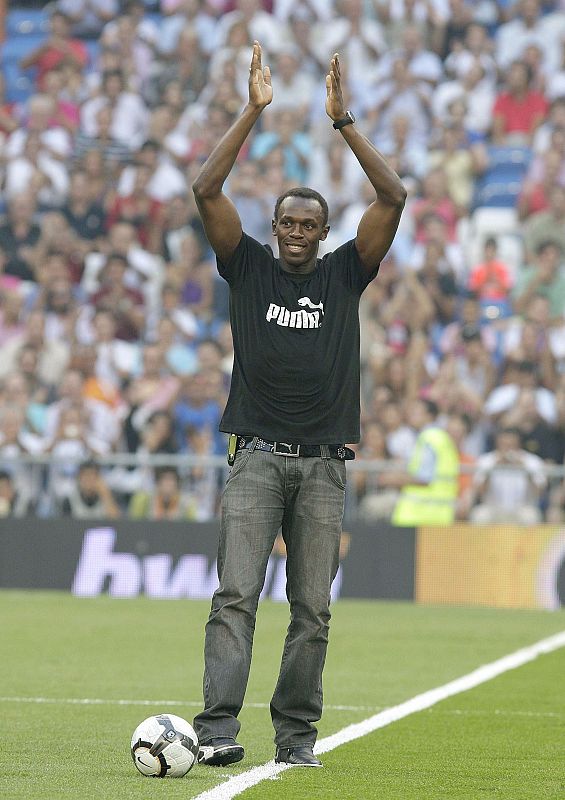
[{"x": 264, "y": 492}]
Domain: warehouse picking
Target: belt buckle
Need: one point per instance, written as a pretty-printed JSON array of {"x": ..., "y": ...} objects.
[{"x": 292, "y": 450}]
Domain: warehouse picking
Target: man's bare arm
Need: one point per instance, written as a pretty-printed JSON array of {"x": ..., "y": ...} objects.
[
  {"x": 219, "y": 215},
  {"x": 380, "y": 221}
]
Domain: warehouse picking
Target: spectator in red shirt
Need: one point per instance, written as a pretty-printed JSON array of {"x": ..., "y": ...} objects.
[
  {"x": 435, "y": 200},
  {"x": 8, "y": 121},
  {"x": 123, "y": 302},
  {"x": 491, "y": 279},
  {"x": 535, "y": 195},
  {"x": 56, "y": 50},
  {"x": 144, "y": 212},
  {"x": 518, "y": 111}
]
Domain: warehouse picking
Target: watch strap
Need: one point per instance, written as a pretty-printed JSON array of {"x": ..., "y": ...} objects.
[{"x": 348, "y": 119}]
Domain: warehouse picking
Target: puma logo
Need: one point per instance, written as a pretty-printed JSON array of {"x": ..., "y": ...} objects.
[
  {"x": 285, "y": 444},
  {"x": 305, "y": 301},
  {"x": 309, "y": 316}
]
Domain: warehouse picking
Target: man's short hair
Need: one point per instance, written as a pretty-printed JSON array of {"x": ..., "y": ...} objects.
[
  {"x": 431, "y": 407},
  {"x": 546, "y": 244},
  {"x": 166, "y": 469},
  {"x": 470, "y": 332},
  {"x": 510, "y": 430},
  {"x": 86, "y": 466},
  {"x": 306, "y": 194},
  {"x": 117, "y": 257}
]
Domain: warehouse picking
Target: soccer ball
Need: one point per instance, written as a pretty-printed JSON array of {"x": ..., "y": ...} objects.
[{"x": 164, "y": 746}]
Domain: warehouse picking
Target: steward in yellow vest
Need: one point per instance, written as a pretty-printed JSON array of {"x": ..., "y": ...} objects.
[{"x": 429, "y": 485}]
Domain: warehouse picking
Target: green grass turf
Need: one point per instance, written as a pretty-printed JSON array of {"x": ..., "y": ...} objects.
[{"x": 58, "y": 647}]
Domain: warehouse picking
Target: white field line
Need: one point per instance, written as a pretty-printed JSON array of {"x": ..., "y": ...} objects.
[
  {"x": 501, "y": 712},
  {"x": 99, "y": 701},
  {"x": 239, "y": 783}
]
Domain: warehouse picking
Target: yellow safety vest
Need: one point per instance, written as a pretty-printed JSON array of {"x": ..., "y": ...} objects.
[{"x": 433, "y": 504}]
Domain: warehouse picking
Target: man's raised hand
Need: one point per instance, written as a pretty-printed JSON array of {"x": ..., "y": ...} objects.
[
  {"x": 334, "y": 95},
  {"x": 260, "y": 89}
]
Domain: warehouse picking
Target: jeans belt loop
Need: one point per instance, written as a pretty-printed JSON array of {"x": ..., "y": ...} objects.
[
  {"x": 324, "y": 451},
  {"x": 254, "y": 443}
]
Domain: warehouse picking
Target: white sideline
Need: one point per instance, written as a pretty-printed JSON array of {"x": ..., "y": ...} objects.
[
  {"x": 100, "y": 701},
  {"x": 239, "y": 783}
]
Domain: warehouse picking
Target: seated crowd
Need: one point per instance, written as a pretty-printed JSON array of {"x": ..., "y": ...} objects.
[{"x": 115, "y": 345}]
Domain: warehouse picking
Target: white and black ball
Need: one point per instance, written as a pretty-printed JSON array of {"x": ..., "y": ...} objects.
[{"x": 164, "y": 746}]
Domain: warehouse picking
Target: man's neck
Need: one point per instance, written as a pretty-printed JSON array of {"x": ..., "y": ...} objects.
[{"x": 301, "y": 270}]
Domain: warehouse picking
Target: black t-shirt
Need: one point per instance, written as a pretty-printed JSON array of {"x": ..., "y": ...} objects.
[
  {"x": 10, "y": 244},
  {"x": 89, "y": 225},
  {"x": 296, "y": 344}
]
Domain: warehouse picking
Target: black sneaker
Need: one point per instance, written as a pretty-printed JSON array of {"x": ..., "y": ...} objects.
[
  {"x": 220, "y": 752},
  {"x": 301, "y": 756}
]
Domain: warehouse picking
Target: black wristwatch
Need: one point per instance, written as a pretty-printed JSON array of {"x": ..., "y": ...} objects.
[{"x": 349, "y": 119}]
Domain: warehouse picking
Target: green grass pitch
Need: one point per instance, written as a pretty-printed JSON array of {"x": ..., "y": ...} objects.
[{"x": 504, "y": 740}]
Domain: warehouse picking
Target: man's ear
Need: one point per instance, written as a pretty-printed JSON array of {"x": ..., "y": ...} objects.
[
  {"x": 274, "y": 227},
  {"x": 325, "y": 233}
]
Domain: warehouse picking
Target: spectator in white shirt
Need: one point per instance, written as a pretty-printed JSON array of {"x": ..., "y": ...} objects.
[
  {"x": 477, "y": 93},
  {"x": 477, "y": 46},
  {"x": 400, "y": 95},
  {"x": 359, "y": 39},
  {"x": 53, "y": 355},
  {"x": 129, "y": 113},
  {"x": 166, "y": 180},
  {"x": 508, "y": 483},
  {"x": 295, "y": 88},
  {"x": 523, "y": 374},
  {"x": 313, "y": 9},
  {"x": 263, "y": 27},
  {"x": 102, "y": 421},
  {"x": 40, "y": 113},
  {"x": 36, "y": 171},
  {"x": 188, "y": 13},
  {"x": 136, "y": 38},
  {"x": 423, "y": 65},
  {"x": 528, "y": 26}
]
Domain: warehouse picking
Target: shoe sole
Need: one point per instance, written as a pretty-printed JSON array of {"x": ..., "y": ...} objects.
[{"x": 222, "y": 756}]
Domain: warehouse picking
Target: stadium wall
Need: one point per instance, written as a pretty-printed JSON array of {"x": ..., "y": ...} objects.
[{"x": 497, "y": 566}]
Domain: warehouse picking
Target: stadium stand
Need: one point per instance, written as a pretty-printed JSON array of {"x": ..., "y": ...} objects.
[{"x": 114, "y": 332}]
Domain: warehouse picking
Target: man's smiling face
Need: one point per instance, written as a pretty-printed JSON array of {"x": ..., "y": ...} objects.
[{"x": 299, "y": 228}]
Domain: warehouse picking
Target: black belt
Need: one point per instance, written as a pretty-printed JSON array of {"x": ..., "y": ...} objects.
[{"x": 339, "y": 451}]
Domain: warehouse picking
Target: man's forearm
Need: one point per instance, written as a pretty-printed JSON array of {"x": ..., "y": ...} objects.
[
  {"x": 219, "y": 163},
  {"x": 387, "y": 184}
]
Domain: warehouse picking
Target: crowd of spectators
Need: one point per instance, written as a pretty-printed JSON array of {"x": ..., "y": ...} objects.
[{"x": 114, "y": 330}]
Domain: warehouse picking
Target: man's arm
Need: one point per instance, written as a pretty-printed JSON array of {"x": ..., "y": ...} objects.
[
  {"x": 219, "y": 215},
  {"x": 380, "y": 221}
]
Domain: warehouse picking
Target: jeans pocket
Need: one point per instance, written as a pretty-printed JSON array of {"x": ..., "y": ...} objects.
[
  {"x": 241, "y": 459},
  {"x": 244, "y": 489},
  {"x": 336, "y": 472}
]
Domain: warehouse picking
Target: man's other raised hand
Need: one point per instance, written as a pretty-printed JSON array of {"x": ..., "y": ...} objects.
[
  {"x": 260, "y": 89},
  {"x": 334, "y": 95}
]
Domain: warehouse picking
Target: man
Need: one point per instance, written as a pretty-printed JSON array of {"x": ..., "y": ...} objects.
[
  {"x": 90, "y": 497},
  {"x": 544, "y": 276},
  {"x": 57, "y": 49},
  {"x": 508, "y": 483},
  {"x": 520, "y": 110},
  {"x": 429, "y": 485},
  {"x": 166, "y": 501},
  {"x": 293, "y": 403}
]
